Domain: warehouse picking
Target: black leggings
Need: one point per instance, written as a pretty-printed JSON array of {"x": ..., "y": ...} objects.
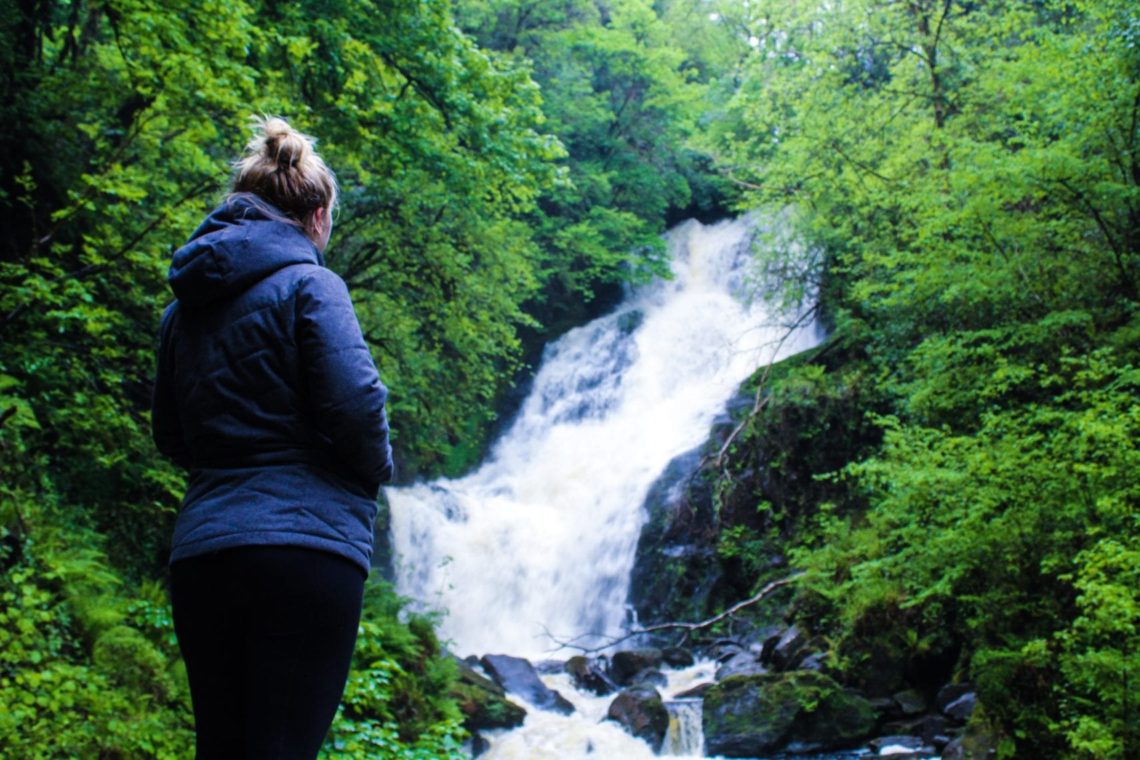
[{"x": 267, "y": 634}]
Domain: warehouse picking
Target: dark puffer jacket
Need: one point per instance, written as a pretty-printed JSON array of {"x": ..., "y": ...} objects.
[{"x": 267, "y": 394}]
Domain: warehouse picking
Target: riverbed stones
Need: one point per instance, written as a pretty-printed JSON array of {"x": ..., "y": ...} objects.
[
  {"x": 519, "y": 677},
  {"x": 802, "y": 711},
  {"x": 642, "y": 713}
]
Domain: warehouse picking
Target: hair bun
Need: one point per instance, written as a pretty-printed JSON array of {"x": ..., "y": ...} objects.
[
  {"x": 280, "y": 144},
  {"x": 282, "y": 167}
]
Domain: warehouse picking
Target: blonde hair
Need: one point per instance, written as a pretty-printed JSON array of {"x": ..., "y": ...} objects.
[{"x": 281, "y": 167}]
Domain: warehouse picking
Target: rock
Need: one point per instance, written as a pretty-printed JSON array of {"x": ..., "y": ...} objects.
[
  {"x": 649, "y": 677},
  {"x": 949, "y": 693},
  {"x": 954, "y": 750},
  {"x": 697, "y": 691},
  {"x": 641, "y": 712},
  {"x": 884, "y": 705},
  {"x": 626, "y": 664},
  {"x": 816, "y": 661},
  {"x": 722, "y": 650},
  {"x": 382, "y": 555},
  {"x": 519, "y": 677},
  {"x": 477, "y": 745},
  {"x": 673, "y": 576},
  {"x": 740, "y": 664},
  {"x": 677, "y": 657},
  {"x": 934, "y": 729},
  {"x": 979, "y": 741},
  {"x": 962, "y": 708},
  {"x": 747, "y": 716},
  {"x": 589, "y": 674},
  {"x": 910, "y": 702},
  {"x": 788, "y": 648},
  {"x": 549, "y": 667},
  {"x": 767, "y": 646},
  {"x": 483, "y": 703}
]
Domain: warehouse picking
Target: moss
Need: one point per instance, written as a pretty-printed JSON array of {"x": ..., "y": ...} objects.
[
  {"x": 483, "y": 703},
  {"x": 749, "y": 715}
]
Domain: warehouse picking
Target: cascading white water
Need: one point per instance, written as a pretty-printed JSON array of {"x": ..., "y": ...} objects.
[
  {"x": 536, "y": 546},
  {"x": 585, "y": 734},
  {"x": 685, "y": 737}
]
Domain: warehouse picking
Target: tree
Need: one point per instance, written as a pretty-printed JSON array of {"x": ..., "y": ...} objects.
[{"x": 961, "y": 179}]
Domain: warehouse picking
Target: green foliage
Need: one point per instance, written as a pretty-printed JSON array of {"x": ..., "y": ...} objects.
[
  {"x": 959, "y": 181},
  {"x": 122, "y": 118},
  {"x": 75, "y": 680},
  {"x": 620, "y": 94},
  {"x": 394, "y": 705}
]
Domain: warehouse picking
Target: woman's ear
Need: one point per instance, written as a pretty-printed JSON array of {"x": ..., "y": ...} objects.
[{"x": 320, "y": 227}]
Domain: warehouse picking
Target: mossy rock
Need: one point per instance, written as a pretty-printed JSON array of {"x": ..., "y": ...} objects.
[
  {"x": 642, "y": 713},
  {"x": 483, "y": 703},
  {"x": 750, "y": 715}
]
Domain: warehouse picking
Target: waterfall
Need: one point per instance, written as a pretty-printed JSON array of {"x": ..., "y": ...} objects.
[
  {"x": 535, "y": 547},
  {"x": 685, "y": 737}
]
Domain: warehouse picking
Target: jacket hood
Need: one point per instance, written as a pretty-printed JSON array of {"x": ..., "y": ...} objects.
[{"x": 239, "y": 244}]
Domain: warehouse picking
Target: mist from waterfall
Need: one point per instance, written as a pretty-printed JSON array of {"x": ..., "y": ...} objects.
[{"x": 537, "y": 544}]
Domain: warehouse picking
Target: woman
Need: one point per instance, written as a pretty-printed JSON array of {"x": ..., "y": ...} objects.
[{"x": 267, "y": 394}]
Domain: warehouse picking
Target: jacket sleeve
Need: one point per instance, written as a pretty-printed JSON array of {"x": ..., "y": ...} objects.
[
  {"x": 345, "y": 392},
  {"x": 166, "y": 427}
]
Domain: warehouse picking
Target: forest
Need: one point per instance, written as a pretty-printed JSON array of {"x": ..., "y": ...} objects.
[{"x": 952, "y": 472}]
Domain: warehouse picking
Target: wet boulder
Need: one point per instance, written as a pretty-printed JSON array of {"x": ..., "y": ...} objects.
[
  {"x": 910, "y": 702},
  {"x": 519, "y": 677},
  {"x": 626, "y": 664},
  {"x": 935, "y": 730},
  {"x": 697, "y": 691},
  {"x": 641, "y": 712},
  {"x": 816, "y": 661},
  {"x": 789, "y": 649},
  {"x": 747, "y": 716},
  {"x": 956, "y": 701},
  {"x": 979, "y": 741},
  {"x": 589, "y": 674},
  {"x": 650, "y": 677},
  {"x": 484, "y": 703},
  {"x": 677, "y": 657},
  {"x": 740, "y": 664},
  {"x": 962, "y": 708},
  {"x": 722, "y": 650}
]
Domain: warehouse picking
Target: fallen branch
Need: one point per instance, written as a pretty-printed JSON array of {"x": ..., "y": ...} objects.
[{"x": 688, "y": 628}]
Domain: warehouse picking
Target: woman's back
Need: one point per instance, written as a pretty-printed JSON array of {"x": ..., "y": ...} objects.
[{"x": 267, "y": 394}]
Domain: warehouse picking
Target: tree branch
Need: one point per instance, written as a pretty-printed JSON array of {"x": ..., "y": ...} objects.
[{"x": 688, "y": 628}]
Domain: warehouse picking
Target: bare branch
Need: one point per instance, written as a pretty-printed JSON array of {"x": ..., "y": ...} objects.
[{"x": 688, "y": 628}]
